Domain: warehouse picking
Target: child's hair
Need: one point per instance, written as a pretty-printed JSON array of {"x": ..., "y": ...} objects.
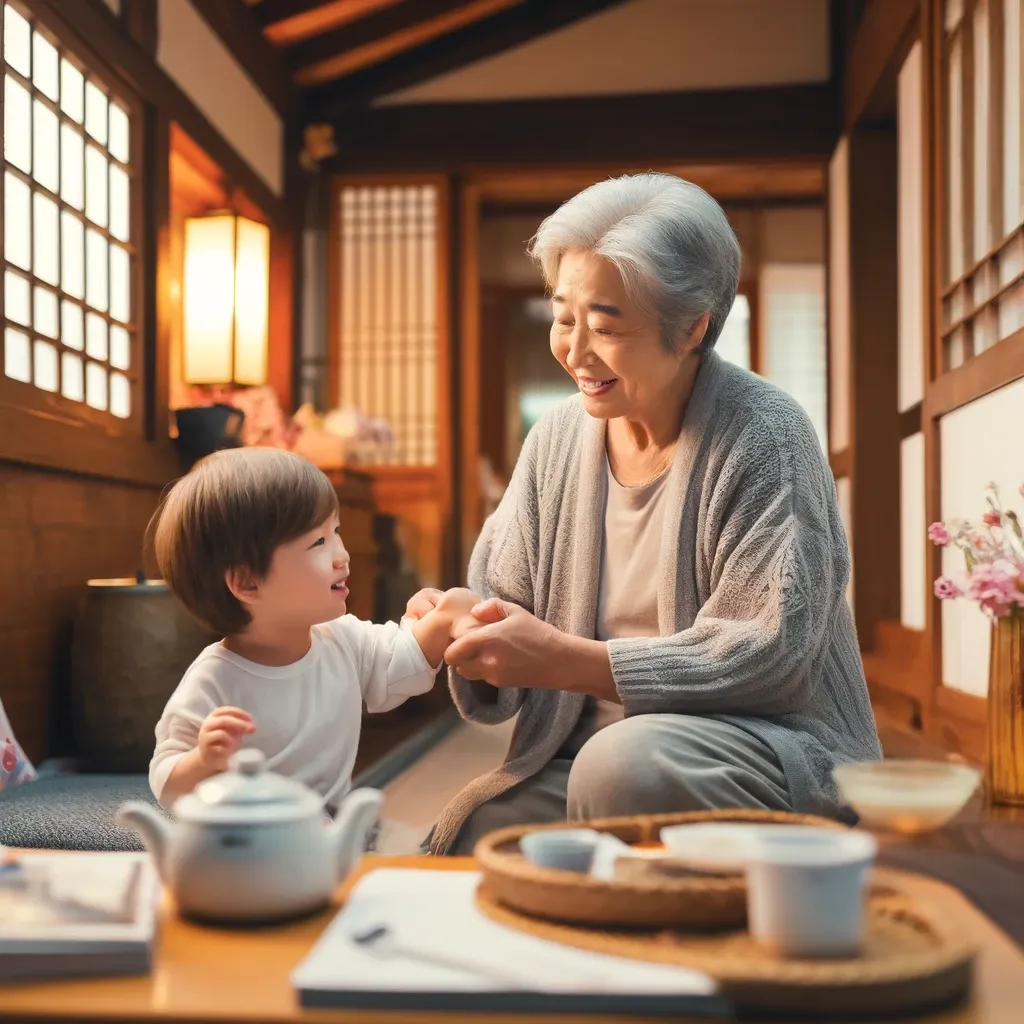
[{"x": 233, "y": 510}]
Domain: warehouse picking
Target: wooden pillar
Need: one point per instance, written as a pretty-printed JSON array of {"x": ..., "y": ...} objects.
[{"x": 874, "y": 378}]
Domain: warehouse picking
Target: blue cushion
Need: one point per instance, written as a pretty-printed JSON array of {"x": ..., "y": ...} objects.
[{"x": 71, "y": 811}]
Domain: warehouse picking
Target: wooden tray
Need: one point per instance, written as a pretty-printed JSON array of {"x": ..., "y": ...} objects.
[
  {"x": 909, "y": 963},
  {"x": 693, "y": 902}
]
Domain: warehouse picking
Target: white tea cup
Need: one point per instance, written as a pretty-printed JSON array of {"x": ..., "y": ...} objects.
[
  {"x": 806, "y": 890},
  {"x": 568, "y": 849}
]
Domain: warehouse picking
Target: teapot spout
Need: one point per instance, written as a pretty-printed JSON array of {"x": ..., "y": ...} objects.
[
  {"x": 356, "y": 817},
  {"x": 151, "y": 825}
]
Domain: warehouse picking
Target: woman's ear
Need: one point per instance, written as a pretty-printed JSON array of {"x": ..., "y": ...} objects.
[
  {"x": 698, "y": 330},
  {"x": 242, "y": 583}
]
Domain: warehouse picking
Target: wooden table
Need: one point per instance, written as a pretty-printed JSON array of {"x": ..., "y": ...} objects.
[{"x": 208, "y": 974}]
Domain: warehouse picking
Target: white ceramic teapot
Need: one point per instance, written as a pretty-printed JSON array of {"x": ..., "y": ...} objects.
[{"x": 251, "y": 846}]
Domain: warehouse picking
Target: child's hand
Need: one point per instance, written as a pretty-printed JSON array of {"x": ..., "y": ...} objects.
[
  {"x": 422, "y": 602},
  {"x": 220, "y": 736},
  {"x": 457, "y": 603}
]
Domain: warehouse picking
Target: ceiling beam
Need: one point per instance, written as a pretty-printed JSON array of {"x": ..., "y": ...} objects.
[
  {"x": 290, "y": 21},
  {"x": 261, "y": 60},
  {"x": 780, "y": 122},
  {"x": 378, "y": 36},
  {"x": 508, "y": 28}
]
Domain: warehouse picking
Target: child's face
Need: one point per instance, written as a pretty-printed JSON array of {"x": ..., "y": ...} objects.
[{"x": 306, "y": 582}]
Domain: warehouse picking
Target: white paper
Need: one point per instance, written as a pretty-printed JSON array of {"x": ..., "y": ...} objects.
[{"x": 435, "y": 910}]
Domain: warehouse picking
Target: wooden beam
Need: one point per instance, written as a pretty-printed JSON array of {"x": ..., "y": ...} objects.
[
  {"x": 782, "y": 122},
  {"x": 883, "y": 37},
  {"x": 141, "y": 20},
  {"x": 501, "y": 31},
  {"x": 394, "y": 30},
  {"x": 260, "y": 59},
  {"x": 288, "y": 21},
  {"x": 980, "y": 375}
]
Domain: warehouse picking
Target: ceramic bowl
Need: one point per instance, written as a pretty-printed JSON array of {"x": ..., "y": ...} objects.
[
  {"x": 718, "y": 848},
  {"x": 568, "y": 849},
  {"x": 906, "y": 796}
]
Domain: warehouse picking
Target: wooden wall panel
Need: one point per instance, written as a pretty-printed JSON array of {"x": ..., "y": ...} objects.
[{"x": 56, "y": 531}]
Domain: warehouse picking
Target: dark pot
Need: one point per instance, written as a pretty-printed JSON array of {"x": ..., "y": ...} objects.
[{"x": 131, "y": 645}]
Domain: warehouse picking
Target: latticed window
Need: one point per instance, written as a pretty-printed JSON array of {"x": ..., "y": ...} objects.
[
  {"x": 982, "y": 79},
  {"x": 387, "y": 313},
  {"x": 70, "y": 336}
]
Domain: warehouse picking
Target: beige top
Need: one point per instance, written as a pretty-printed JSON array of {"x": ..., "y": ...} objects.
[{"x": 627, "y": 599}]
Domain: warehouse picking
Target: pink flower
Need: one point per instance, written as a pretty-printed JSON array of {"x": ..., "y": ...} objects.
[
  {"x": 938, "y": 534},
  {"x": 992, "y": 518},
  {"x": 945, "y": 588},
  {"x": 996, "y": 587}
]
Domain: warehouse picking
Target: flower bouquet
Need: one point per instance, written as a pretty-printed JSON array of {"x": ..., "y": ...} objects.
[
  {"x": 993, "y": 557},
  {"x": 993, "y": 552}
]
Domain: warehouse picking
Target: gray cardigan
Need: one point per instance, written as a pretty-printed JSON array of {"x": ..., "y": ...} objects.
[{"x": 755, "y": 627}]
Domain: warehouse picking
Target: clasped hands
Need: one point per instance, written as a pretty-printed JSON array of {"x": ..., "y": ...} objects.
[{"x": 495, "y": 641}]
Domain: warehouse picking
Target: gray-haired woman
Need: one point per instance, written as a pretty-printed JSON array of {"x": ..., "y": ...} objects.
[{"x": 666, "y": 573}]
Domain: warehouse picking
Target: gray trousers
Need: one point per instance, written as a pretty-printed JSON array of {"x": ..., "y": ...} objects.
[{"x": 650, "y": 764}]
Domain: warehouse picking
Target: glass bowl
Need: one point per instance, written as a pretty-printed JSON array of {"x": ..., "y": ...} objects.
[{"x": 906, "y": 796}]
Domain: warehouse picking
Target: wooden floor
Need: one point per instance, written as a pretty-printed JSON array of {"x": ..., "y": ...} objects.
[{"x": 380, "y": 734}]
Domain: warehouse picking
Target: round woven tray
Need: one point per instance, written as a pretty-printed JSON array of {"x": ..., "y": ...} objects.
[
  {"x": 909, "y": 962},
  {"x": 698, "y": 902}
]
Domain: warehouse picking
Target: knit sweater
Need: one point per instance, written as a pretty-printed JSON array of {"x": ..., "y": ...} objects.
[{"x": 753, "y": 570}]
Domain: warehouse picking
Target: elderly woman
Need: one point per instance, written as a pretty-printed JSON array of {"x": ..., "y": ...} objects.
[{"x": 666, "y": 573}]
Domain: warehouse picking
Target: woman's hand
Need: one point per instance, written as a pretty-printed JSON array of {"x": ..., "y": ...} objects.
[{"x": 503, "y": 645}]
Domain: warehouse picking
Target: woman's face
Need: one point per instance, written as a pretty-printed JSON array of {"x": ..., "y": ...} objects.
[{"x": 612, "y": 350}]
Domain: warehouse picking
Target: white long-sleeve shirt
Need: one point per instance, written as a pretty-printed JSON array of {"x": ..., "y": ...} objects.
[{"x": 307, "y": 714}]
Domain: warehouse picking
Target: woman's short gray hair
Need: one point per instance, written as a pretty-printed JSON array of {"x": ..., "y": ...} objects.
[{"x": 670, "y": 241}]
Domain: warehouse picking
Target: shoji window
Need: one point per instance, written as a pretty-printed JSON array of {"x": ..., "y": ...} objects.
[
  {"x": 734, "y": 343},
  {"x": 983, "y": 272},
  {"x": 387, "y": 312},
  {"x": 793, "y": 356},
  {"x": 70, "y": 334}
]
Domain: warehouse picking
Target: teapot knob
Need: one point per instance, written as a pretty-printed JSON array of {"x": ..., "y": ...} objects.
[{"x": 248, "y": 762}]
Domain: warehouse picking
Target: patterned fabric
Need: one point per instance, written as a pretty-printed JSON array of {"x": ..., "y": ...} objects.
[
  {"x": 755, "y": 627},
  {"x": 71, "y": 812},
  {"x": 15, "y": 767}
]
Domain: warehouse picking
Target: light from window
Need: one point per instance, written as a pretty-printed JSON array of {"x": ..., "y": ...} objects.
[
  {"x": 68, "y": 248},
  {"x": 734, "y": 341},
  {"x": 793, "y": 336}
]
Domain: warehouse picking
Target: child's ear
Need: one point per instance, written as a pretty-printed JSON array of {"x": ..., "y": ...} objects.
[{"x": 242, "y": 583}]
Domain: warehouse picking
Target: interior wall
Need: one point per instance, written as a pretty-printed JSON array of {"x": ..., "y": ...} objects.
[
  {"x": 651, "y": 46},
  {"x": 194, "y": 56},
  {"x": 980, "y": 442},
  {"x": 56, "y": 532}
]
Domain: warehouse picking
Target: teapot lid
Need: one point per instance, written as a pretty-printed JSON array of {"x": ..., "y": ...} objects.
[{"x": 248, "y": 793}]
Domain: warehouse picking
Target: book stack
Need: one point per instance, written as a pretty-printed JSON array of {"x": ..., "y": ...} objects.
[{"x": 76, "y": 914}]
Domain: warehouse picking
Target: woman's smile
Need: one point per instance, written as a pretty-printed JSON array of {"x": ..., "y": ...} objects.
[{"x": 593, "y": 386}]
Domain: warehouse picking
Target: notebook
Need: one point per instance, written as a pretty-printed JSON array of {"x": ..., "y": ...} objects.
[
  {"x": 426, "y": 946},
  {"x": 74, "y": 914}
]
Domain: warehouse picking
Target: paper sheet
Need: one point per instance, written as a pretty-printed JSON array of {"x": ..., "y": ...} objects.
[{"x": 435, "y": 910}]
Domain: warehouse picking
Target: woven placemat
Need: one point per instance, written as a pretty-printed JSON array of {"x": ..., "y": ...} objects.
[
  {"x": 909, "y": 962},
  {"x": 642, "y": 901}
]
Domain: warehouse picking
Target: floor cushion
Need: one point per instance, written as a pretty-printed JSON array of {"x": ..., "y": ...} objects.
[{"x": 71, "y": 811}]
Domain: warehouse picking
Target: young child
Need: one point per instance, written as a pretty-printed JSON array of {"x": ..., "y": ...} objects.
[{"x": 249, "y": 542}]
